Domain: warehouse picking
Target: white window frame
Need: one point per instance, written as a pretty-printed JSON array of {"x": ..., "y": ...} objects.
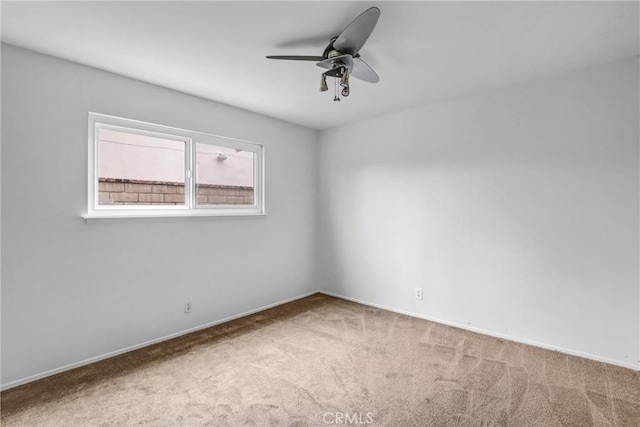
[{"x": 190, "y": 208}]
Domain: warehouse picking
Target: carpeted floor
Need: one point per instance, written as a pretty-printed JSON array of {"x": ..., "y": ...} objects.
[{"x": 324, "y": 361}]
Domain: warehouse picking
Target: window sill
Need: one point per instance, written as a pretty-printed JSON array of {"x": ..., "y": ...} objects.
[{"x": 108, "y": 217}]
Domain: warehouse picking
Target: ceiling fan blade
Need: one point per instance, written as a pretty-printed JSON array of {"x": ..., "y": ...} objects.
[
  {"x": 356, "y": 34},
  {"x": 362, "y": 70},
  {"x": 347, "y": 60},
  {"x": 297, "y": 57}
]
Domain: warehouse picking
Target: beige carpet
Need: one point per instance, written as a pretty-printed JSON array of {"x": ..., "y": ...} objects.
[{"x": 323, "y": 361}]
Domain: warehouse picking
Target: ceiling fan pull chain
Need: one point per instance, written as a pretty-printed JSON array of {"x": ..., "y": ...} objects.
[{"x": 335, "y": 90}]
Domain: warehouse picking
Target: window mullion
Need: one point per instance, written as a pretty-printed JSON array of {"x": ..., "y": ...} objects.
[{"x": 190, "y": 179}]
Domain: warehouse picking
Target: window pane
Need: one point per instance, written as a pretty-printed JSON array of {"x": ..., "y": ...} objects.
[
  {"x": 224, "y": 176},
  {"x": 138, "y": 169}
]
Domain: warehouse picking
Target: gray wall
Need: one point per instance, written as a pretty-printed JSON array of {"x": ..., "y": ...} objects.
[
  {"x": 515, "y": 210},
  {"x": 73, "y": 290}
]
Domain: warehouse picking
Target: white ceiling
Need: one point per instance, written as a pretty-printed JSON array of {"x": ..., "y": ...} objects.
[{"x": 423, "y": 51}]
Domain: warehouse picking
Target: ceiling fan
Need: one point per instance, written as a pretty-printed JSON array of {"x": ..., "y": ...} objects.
[{"x": 341, "y": 57}]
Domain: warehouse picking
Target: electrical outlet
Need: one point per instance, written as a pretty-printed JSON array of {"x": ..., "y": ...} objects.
[
  {"x": 418, "y": 293},
  {"x": 187, "y": 307}
]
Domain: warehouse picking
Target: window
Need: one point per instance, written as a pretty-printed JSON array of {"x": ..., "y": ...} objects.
[{"x": 139, "y": 169}]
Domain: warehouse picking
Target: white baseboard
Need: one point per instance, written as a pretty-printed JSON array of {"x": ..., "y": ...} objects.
[
  {"x": 94, "y": 359},
  {"x": 266, "y": 307},
  {"x": 635, "y": 367}
]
